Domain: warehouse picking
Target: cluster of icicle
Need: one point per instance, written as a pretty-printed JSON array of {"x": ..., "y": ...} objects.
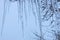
[{"x": 43, "y": 10}]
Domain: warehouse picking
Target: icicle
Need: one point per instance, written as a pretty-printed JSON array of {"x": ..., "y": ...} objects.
[
  {"x": 6, "y": 7},
  {"x": 25, "y": 9},
  {"x": 39, "y": 17},
  {"x": 3, "y": 19},
  {"x": 20, "y": 14},
  {"x": 34, "y": 9}
]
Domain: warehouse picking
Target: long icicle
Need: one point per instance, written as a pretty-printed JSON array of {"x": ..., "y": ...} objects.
[
  {"x": 23, "y": 18},
  {"x": 3, "y": 19},
  {"x": 4, "y": 15},
  {"x": 20, "y": 15},
  {"x": 34, "y": 5},
  {"x": 39, "y": 17}
]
